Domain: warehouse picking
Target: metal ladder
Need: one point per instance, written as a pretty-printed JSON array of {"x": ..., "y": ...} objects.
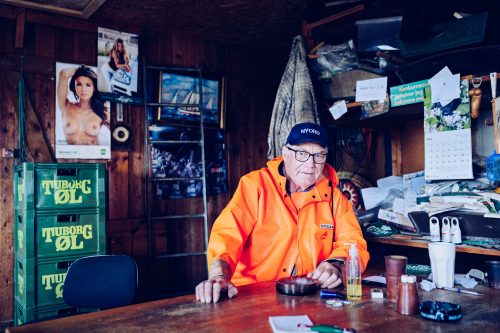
[{"x": 151, "y": 72}]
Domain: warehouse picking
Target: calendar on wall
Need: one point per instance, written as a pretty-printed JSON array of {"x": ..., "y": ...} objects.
[{"x": 448, "y": 147}]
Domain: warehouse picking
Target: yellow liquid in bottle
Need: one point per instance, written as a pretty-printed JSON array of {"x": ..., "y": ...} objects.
[{"x": 354, "y": 288}]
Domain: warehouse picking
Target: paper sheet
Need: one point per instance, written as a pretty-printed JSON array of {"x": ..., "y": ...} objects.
[
  {"x": 445, "y": 86},
  {"x": 391, "y": 181},
  {"x": 338, "y": 109},
  {"x": 288, "y": 324},
  {"x": 375, "y": 278},
  {"x": 371, "y": 90}
]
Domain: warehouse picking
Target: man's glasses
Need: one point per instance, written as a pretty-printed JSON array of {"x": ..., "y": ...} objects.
[{"x": 303, "y": 156}]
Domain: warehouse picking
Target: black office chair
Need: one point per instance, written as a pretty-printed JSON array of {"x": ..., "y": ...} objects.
[{"x": 101, "y": 282}]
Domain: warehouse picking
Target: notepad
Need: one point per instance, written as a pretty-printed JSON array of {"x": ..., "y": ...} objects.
[{"x": 288, "y": 324}]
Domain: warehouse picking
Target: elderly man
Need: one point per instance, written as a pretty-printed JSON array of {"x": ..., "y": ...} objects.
[{"x": 288, "y": 218}]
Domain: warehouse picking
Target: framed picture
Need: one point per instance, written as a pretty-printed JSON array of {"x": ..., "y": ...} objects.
[
  {"x": 177, "y": 160},
  {"x": 182, "y": 91}
]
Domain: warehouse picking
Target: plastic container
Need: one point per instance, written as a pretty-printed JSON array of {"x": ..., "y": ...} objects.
[
  {"x": 55, "y": 234},
  {"x": 456, "y": 233},
  {"x": 407, "y": 302},
  {"x": 446, "y": 230},
  {"x": 50, "y": 186},
  {"x": 40, "y": 282},
  {"x": 353, "y": 272},
  {"x": 434, "y": 229},
  {"x": 23, "y": 315},
  {"x": 493, "y": 167}
]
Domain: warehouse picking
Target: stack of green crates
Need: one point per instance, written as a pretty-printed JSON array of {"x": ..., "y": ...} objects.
[{"x": 60, "y": 211}]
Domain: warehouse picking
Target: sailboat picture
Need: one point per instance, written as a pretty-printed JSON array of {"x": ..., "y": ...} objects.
[{"x": 181, "y": 96}]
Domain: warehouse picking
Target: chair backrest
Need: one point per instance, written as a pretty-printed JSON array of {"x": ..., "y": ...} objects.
[{"x": 103, "y": 281}]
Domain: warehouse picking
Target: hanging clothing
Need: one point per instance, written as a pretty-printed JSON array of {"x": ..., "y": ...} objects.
[
  {"x": 264, "y": 235},
  {"x": 295, "y": 101}
]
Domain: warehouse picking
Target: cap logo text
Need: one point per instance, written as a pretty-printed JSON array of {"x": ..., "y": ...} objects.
[{"x": 309, "y": 130}]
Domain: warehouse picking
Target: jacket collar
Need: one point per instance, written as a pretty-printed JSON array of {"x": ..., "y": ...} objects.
[{"x": 324, "y": 185}]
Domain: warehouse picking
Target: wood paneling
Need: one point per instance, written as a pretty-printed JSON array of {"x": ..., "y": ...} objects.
[
  {"x": 412, "y": 147},
  {"x": 8, "y": 139},
  {"x": 252, "y": 79}
]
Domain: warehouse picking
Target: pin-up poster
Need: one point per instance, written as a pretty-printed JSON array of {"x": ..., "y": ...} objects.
[
  {"x": 82, "y": 118},
  {"x": 117, "y": 61}
]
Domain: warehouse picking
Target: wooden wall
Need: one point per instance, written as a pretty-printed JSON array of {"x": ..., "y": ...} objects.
[{"x": 252, "y": 79}]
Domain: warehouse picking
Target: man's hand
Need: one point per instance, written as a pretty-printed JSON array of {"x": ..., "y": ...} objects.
[
  {"x": 327, "y": 275},
  {"x": 211, "y": 289}
]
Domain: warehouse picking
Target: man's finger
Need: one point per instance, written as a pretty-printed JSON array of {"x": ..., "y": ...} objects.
[
  {"x": 317, "y": 273},
  {"x": 323, "y": 278},
  {"x": 330, "y": 280},
  {"x": 201, "y": 291},
  {"x": 197, "y": 292},
  {"x": 335, "y": 284},
  {"x": 231, "y": 290},
  {"x": 216, "y": 291},
  {"x": 208, "y": 291}
]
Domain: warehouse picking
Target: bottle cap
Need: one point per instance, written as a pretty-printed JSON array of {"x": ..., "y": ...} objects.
[
  {"x": 353, "y": 251},
  {"x": 404, "y": 278},
  {"x": 412, "y": 279}
]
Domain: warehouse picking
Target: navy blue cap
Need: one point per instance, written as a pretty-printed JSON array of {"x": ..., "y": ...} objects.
[{"x": 308, "y": 133}]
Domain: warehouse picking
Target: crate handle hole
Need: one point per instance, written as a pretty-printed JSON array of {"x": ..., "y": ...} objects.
[
  {"x": 64, "y": 264},
  {"x": 67, "y": 218},
  {"x": 67, "y": 172}
]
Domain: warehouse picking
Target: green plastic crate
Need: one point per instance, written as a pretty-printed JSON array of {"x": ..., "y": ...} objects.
[
  {"x": 49, "y": 186},
  {"x": 40, "y": 282},
  {"x": 23, "y": 315},
  {"x": 45, "y": 234}
]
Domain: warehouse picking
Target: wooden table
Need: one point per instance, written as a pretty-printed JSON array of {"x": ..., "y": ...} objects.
[{"x": 250, "y": 311}]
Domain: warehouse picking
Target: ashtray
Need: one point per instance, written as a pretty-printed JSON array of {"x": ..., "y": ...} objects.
[
  {"x": 296, "y": 286},
  {"x": 440, "y": 311}
]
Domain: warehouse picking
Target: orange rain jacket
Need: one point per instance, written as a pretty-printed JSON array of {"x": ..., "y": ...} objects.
[{"x": 262, "y": 235}]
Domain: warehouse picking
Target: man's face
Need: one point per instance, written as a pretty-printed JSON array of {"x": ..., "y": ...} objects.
[{"x": 302, "y": 174}]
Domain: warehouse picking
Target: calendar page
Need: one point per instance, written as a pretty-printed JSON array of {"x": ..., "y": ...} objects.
[{"x": 448, "y": 147}]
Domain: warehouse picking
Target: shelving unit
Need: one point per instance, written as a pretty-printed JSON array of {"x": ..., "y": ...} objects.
[{"x": 171, "y": 258}]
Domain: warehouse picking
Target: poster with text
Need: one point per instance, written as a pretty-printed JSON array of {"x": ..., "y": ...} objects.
[{"x": 82, "y": 118}]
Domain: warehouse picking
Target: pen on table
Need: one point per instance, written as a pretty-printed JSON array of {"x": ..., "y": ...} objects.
[
  {"x": 328, "y": 328},
  {"x": 458, "y": 290}
]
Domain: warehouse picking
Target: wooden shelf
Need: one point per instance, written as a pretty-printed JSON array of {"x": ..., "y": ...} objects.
[
  {"x": 418, "y": 242},
  {"x": 394, "y": 118}
]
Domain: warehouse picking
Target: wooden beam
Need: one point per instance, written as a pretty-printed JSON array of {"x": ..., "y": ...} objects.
[
  {"x": 68, "y": 22},
  {"x": 335, "y": 17},
  {"x": 91, "y": 8},
  {"x": 20, "y": 23}
]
